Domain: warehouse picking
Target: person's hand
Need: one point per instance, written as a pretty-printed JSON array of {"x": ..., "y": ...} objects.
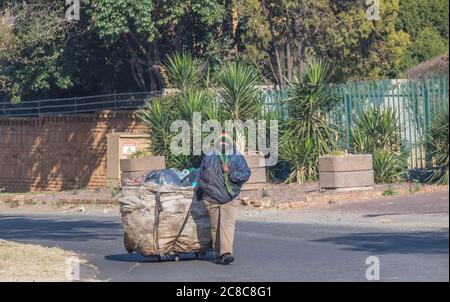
[{"x": 225, "y": 168}]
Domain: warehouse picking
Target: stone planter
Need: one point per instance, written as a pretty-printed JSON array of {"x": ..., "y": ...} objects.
[
  {"x": 258, "y": 178},
  {"x": 346, "y": 173},
  {"x": 133, "y": 168}
]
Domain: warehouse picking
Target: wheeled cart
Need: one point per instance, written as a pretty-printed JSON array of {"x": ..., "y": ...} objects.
[{"x": 164, "y": 221}]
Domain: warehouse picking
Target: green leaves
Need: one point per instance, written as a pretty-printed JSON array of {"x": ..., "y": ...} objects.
[
  {"x": 113, "y": 17},
  {"x": 307, "y": 133},
  {"x": 239, "y": 95},
  {"x": 376, "y": 129},
  {"x": 183, "y": 70},
  {"x": 156, "y": 115},
  {"x": 388, "y": 166},
  {"x": 303, "y": 158},
  {"x": 377, "y": 132},
  {"x": 31, "y": 51},
  {"x": 437, "y": 143}
]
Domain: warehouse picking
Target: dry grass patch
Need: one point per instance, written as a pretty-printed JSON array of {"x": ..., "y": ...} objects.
[{"x": 33, "y": 263}]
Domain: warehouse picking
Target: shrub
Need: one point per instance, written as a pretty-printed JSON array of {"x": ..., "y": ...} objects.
[
  {"x": 183, "y": 70},
  {"x": 388, "y": 166},
  {"x": 376, "y": 129},
  {"x": 139, "y": 154},
  {"x": 438, "y": 145},
  {"x": 377, "y": 132},
  {"x": 238, "y": 92},
  {"x": 307, "y": 133}
]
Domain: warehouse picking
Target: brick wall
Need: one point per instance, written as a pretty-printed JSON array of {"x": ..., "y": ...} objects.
[{"x": 50, "y": 153}]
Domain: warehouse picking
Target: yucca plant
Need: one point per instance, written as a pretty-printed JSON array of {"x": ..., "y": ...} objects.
[
  {"x": 307, "y": 134},
  {"x": 194, "y": 100},
  {"x": 376, "y": 129},
  {"x": 185, "y": 73},
  {"x": 238, "y": 92},
  {"x": 183, "y": 70},
  {"x": 377, "y": 132},
  {"x": 303, "y": 159},
  {"x": 156, "y": 115},
  {"x": 438, "y": 145},
  {"x": 388, "y": 166}
]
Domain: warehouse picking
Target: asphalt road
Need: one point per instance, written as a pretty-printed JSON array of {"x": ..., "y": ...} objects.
[{"x": 265, "y": 251}]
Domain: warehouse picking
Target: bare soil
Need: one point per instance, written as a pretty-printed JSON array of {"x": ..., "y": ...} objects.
[{"x": 279, "y": 196}]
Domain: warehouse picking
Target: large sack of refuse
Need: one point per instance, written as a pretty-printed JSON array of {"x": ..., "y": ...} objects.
[{"x": 162, "y": 220}]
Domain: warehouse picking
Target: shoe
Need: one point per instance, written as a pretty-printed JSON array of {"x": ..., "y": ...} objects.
[{"x": 225, "y": 259}]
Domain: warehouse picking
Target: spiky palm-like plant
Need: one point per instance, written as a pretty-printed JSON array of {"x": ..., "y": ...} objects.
[
  {"x": 438, "y": 145},
  {"x": 376, "y": 129},
  {"x": 238, "y": 92},
  {"x": 155, "y": 114},
  {"x": 388, "y": 166},
  {"x": 183, "y": 71},
  {"x": 377, "y": 132},
  {"x": 303, "y": 158},
  {"x": 307, "y": 133}
]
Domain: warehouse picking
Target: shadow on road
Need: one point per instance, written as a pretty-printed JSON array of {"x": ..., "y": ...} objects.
[
  {"x": 435, "y": 242},
  {"x": 38, "y": 228},
  {"x": 134, "y": 257}
]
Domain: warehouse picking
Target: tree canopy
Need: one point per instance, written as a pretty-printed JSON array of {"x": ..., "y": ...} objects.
[{"x": 121, "y": 45}]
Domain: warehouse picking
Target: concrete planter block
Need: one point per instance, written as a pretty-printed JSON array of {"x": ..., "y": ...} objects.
[
  {"x": 258, "y": 179},
  {"x": 349, "y": 172},
  {"x": 133, "y": 168},
  {"x": 140, "y": 164}
]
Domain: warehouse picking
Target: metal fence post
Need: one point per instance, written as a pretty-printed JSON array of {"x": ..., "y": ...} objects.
[
  {"x": 348, "y": 118},
  {"x": 426, "y": 120}
]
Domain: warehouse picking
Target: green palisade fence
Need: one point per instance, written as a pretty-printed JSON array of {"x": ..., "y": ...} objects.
[{"x": 414, "y": 102}]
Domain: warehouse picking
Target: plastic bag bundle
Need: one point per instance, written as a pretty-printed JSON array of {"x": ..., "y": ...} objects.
[
  {"x": 164, "y": 177},
  {"x": 191, "y": 178}
]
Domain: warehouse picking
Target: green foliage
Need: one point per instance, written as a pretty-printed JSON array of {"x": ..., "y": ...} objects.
[
  {"x": 388, "y": 166},
  {"x": 426, "y": 21},
  {"x": 139, "y": 154},
  {"x": 156, "y": 115},
  {"x": 33, "y": 58},
  {"x": 377, "y": 132},
  {"x": 414, "y": 15},
  {"x": 283, "y": 36},
  {"x": 376, "y": 129},
  {"x": 150, "y": 28},
  {"x": 415, "y": 186},
  {"x": 183, "y": 71},
  {"x": 238, "y": 93},
  {"x": 437, "y": 143},
  {"x": 303, "y": 158},
  {"x": 389, "y": 191},
  {"x": 159, "y": 113},
  {"x": 307, "y": 133},
  {"x": 309, "y": 100},
  {"x": 337, "y": 153},
  {"x": 427, "y": 45}
]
